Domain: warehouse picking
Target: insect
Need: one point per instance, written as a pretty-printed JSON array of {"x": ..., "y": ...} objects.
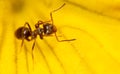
[{"x": 47, "y": 29}]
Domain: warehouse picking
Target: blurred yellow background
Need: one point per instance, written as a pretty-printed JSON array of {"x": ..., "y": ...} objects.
[{"x": 95, "y": 24}]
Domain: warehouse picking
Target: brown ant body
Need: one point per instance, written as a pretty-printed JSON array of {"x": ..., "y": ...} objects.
[{"x": 26, "y": 33}]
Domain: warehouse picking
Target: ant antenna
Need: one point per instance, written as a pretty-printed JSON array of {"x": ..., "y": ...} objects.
[
  {"x": 55, "y": 11},
  {"x": 53, "y": 23},
  {"x": 63, "y": 40}
]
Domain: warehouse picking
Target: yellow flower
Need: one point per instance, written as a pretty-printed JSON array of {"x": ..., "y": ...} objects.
[{"x": 94, "y": 25}]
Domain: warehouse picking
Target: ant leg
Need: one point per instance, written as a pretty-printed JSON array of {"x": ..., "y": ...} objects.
[
  {"x": 33, "y": 49},
  {"x": 28, "y": 26},
  {"x": 39, "y": 23},
  {"x": 63, "y": 40},
  {"x": 23, "y": 31},
  {"x": 22, "y": 42},
  {"x": 33, "y": 44}
]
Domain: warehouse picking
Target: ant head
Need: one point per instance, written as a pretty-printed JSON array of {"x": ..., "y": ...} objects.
[{"x": 49, "y": 28}]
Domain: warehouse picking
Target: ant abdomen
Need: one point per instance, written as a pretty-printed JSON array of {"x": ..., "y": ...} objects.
[{"x": 22, "y": 32}]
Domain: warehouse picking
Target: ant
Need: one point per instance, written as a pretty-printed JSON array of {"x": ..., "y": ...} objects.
[{"x": 26, "y": 33}]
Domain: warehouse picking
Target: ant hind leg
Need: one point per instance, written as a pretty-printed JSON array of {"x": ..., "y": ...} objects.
[
  {"x": 28, "y": 26},
  {"x": 33, "y": 48},
  {"x": 23, "y": 31}
]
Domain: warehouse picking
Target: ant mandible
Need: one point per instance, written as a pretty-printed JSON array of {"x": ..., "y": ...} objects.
[{"x": 26, "y": 33}]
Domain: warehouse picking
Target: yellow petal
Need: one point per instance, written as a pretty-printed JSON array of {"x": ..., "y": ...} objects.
[{"x": 94, "y": 25}]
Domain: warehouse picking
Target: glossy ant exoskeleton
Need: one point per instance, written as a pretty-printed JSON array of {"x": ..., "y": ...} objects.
[{"x": 47, "y": 29}]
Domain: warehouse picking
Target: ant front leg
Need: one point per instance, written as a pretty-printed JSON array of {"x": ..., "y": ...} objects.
[{"x": 38, "y": 24}]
